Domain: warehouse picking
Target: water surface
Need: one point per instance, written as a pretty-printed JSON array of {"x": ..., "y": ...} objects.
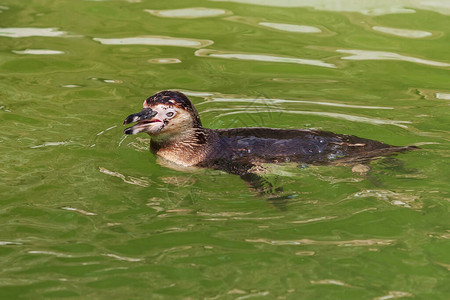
[{"x": 89, "y": 213}]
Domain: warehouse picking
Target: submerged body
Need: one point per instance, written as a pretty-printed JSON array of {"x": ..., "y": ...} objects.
[
  {"x": 241, "y": 148},
  {"x": 178, "y": 136}
]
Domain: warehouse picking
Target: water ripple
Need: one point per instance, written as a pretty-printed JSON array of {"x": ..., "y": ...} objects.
[
  {"x": 253, "y": 295},
  {"x": 130, "y": 180},
  {"x": 291, "y": 27},
  {"x": 383, "y": 55},
  {"x": 38, "y": 52},
  {"x": 189, "y": 13},
  {"x": 275, "y": 101},
  {"x": 122, "y": 257},
  {"x": 16, "y": 32},
  {"x": 81, "y": 211},
  {"x": 314, "y": 220},
  {"x": 349, "y": 243},
  {"x": 47, "y": 144},
  {"x": 443, "y": 96},
  {"x": 394, "y": 294},
  {"x": 197, "y": 94},
  {"x": 49, "y": 253},
  {"x": 6, "y": 243},
  {"x": 156, "y": 41},
  {"x": 107, "y": 129},
  {"x": 316, "y": 113},
  {"x": 286, "y": 27},
  {"x": 262, "y": 57},
  {"x": 164, "y": 61},
  {"x": 397, "y": 199},
  {"x": 376, "y": 8},
  {"x": 408, "y": 33},
  {"x": 331, "y": 281}
]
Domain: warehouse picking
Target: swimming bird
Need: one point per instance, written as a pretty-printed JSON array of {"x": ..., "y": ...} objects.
[{"x": 177, "y": 135}]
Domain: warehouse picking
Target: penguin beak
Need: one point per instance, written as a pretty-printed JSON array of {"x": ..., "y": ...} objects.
[
  {"x": 143, "y": 118},
  {"x": 145, "y": 115}
]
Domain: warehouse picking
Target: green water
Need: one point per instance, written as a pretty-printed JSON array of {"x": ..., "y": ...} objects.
[{"x": 88, "y": 213}]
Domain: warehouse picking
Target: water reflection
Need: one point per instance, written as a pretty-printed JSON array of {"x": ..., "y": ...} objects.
[
  {"x": 316, "y": 113},
  {"x": 47, "y": 144},
  {"x": 38, "y": 52},
  {"x": 286, "y": 27},
  {"x": 443, "y": 96},
  {"x": 115, "y": 256},
  {"x": 314, "y": 220},
  {"x": 6, "y": 243},
  {"x": 305, "y": 253},
  {"x": 253, "y": 294},
  {"x": 262, "y": 57},
  {"x": 397, "y": 199},
  {"x": 197, "y": 94},
  {"x": 71, "y": 86},
  {"x": 164, "y": 61},
  {"x": 331, "y": 281},
  {"x": 188, "y": 13},
  {"x": 29, "y": 31},
  {"x": 139, "y": 144},
  {"x": 408, "y": 33},
  {"x": 81, "y": 211},
  {"x": 181, "y": 181},
  {"x": 49, "y": 253},
  {"x": 156, "y": 41},
  {"x": 383, "y": 55},
  {"x": 276, "y": 101},
  {"x": 107, "y": 129},
  {"x": 394, "y": 295},
  {"x": 291, "y": 27},
  {"x": 380, "y": 7},
  {"x": 107, "y": 80},
  {"x": 130, "y": 180},
  {"x": 349, "y": 243}
]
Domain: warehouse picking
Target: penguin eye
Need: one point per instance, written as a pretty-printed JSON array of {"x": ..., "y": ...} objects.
[{"x": 170, "y": 114}]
